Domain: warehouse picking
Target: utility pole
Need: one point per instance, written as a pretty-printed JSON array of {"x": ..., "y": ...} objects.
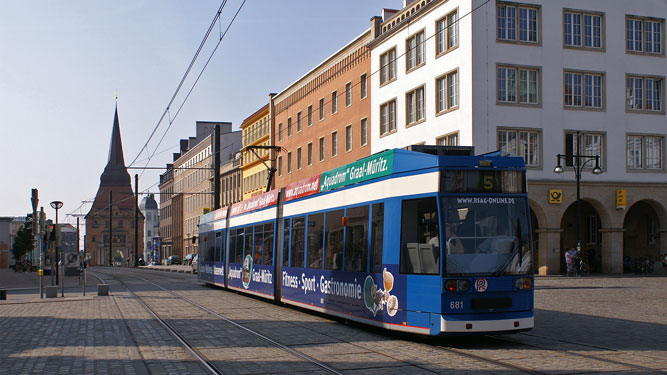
[
  {"x": 216, "y": 169},
  {"x": 136, "y": 220},
  {"x": 110, "y": 225},
  {"x": 34, "y": 199}
]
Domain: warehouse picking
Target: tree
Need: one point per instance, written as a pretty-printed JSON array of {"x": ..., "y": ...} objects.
[{"x": 22, "y": 243}]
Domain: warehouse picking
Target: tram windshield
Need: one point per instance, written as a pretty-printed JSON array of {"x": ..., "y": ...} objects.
[{"x": 486, "y": 236}]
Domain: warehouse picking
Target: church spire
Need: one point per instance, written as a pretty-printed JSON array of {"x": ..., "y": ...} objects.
[{"x": 115, "y": 173}]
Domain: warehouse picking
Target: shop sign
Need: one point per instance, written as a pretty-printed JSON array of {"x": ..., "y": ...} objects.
[{"x": 555, "y": 196}]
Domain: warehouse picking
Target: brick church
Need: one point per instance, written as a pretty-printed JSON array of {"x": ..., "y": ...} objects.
[{"x": 115, "y": 184}]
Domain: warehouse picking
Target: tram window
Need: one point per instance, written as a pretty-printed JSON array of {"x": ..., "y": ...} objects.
[
  {"x": 205, "y": 247},
  {"x": 248, "y": 243},
  {"x": 259, "y": 241},
  {"x": 315, "y": 247},
  {"x": 377, "y": 234},
  {"x": 218, "y": 247},
  {"x": 333, "y": 250},
  {"x": 267, "y": 247},
  {"x": 236, "y": 245},
  {"x": 298, "y": 241},
  {"x": 286, "y": 230},
  {"x": 420, "y": 245},
  {"x": 356, "y": 239}
]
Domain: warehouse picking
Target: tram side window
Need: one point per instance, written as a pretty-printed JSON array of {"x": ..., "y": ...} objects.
[
  {"x": 286, "y": 231},
  {"x": 248, "y": 243},
  {"x": 334, "y": 245},
  {"x": 236, "y": 245},
  {"x": 259, "y": 242},
  {"x": 267, "y": 247},
  {"x": 298, "y": 239},
  {"x": 218, "y": 247},
  {"x": 356, "y": 239},
  {"x": 420, "y": 246},
  {"x": 204, "y": 246},
  {"x": 315, "y": 247},
  {"x": 377, "y": 234}
]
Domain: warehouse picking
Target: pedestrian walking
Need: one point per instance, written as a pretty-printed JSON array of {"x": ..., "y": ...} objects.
[{"x": 569, "y": 262}]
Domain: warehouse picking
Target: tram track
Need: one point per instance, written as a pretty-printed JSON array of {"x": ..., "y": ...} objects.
[
  {"x": 207, "y": 363},
  {"x": 457, "y": 352}
]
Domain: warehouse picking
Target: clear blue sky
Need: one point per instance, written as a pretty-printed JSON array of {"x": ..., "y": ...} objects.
[{"x": 62, "y": 63}]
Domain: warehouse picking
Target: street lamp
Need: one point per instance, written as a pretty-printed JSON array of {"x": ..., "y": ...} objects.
[
  {"x": 579, "y": 162},
  {"x": 57, "y": 205}
]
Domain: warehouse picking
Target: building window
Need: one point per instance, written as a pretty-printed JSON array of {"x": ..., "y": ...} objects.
[
  {"x": 298, "y": 158},
  {"x": 322, "y": 109},
  {"x": 414, "y": 106},
  {"x": 310, "y": 153},
  {"x": 363, "y": 86},
  {"x": 280, "y": 131},
  {"x": 289, "y": 162},
  {"x": 592, "y": 144},
  {"x": 321, "y": 148},
  {"x": 388, "y": 117},
  {"x": 348, "y": 138},
  {"x": 414, "y": 47},
  {"x": 280, "y": 165},
  {"x": 447, "y": 33},
  {"x": 645, "y": 152},
  {"x": 289, "y": 127},
  {"x": 334, "y": 102},
  {"x": 348, "y": 94},
  {"x": 583, "y": 90},
  {"x": 644, "y": 35},
  {"x": 521, "y": 142},
  {"x": 511, "y": 17},
  {"x": 334, "y": 144},
  {"x": 388, "y": 66},
  {"x": 650, "y": 231},
  {"x": 645, "y": 93},
  {"x": 363, "y": 132},
  {"x": 447, "y": 91},
  {"x": 448, "y": 140},
  {"x": 582, "y": 29},
  {"x": 298, "y": 122},
  {"x": 310, "y": 115},
  {"x": 592, "y": 230},
  {"x": 523, "y": 80}
]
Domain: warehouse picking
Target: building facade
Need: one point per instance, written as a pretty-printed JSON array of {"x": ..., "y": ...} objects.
[
  {"x": 166, "y": 229},
  {"x": 110, "y": 221},
  {"x": 256, "y": 131},
  {"x": 149, "y": 208},
  {"x": 322, "y": 120},
  {"x": 539, "y": 79}
]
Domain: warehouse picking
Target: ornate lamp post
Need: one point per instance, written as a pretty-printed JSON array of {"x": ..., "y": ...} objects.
[
  {"x": 56, "y": 205},
  {"x": 579, "y": 162}
]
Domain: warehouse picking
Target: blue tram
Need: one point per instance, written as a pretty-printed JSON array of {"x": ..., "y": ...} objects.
[{"x": 423, "y": 242}]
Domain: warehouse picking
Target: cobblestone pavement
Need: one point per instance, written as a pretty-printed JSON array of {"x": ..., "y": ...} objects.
[{"x": 592, "y": 325}]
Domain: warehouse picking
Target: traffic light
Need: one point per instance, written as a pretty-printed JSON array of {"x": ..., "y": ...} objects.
[{"x": 28, "y": 223}]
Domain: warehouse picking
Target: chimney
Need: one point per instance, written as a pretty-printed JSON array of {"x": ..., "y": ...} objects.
[
  {"x": 376, "y": 26},
  {"x": 407, "y": 3}
]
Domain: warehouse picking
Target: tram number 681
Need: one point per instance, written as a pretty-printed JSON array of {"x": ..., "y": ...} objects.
[{"x": 456, "y": 305}]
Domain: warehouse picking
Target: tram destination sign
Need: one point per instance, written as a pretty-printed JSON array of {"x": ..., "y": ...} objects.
[{"x": 365, "y": 169}]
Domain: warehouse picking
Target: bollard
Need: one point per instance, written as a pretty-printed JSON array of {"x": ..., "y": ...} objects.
[
  {"x": 3, "y": 295},
  {"x": 102, "y": 289},
  {"x": 51, "y": 291}
]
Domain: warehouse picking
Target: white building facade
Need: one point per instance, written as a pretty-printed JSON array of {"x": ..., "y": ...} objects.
[{"x": 537, "y": 79}]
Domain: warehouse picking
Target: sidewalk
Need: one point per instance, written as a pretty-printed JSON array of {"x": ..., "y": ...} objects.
[{"x": 174, "y": 268}]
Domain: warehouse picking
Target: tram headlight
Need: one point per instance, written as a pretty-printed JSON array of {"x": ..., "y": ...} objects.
[
  {"x": 461, "y": 285},
  {"x": 523, "y": 283}
]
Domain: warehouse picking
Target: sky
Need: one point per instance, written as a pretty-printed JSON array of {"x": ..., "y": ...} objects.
[{"x": 62, "y": 64}]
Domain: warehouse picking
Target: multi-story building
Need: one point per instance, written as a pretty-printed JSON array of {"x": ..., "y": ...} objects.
[
  {"x": 192, "y": 182},
  {"x": 148, "y": 207},
  {"x": 5, "y": 241},
  {"x": 322, "y": 120},
  {"x": 539, "y": 79},
  {"x": 165, "y": 242},
  {"x": 231, "y": 181},
  {"x": 256, "y": 132}
]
